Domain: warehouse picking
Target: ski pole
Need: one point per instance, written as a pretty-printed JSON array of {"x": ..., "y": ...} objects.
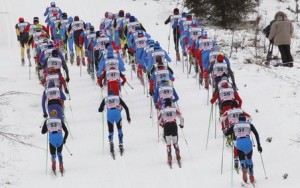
[
  {"x": 210, "y": 117},
  {"x": 41, "y": 125},
  {"x": 129, "y": 85},
  {"x": 47, "y": 153},
  {"x": 262, "y": 161},
  {"x": 151, "y": 112},
  {"x": 232, "y": 151},
  {"x": 102, "y": 123},
  {"x": 252, "y": 140},
  {"x": 68, "y": 150},
  {"x": 215, "y": 121},
  {"x": 146, "y": 82},
  {"x": 184, "y": 138},
  {"x": 157, "y": 126},
  {"x": 67, "y": 124},
  {"x": 29, "y": 69},
  {"x": 222, "y": 154},
  {"x": 169, "y": 38}
]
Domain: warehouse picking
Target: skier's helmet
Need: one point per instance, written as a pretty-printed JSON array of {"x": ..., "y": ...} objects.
[
  {"x": 21, "y": 20},
  {"x": 220, "y": 57},
  {"x": 76, "y": 18},
  {"x": 36, "y": 20},
  {"x": 64, "y": 15},
  {"x": 55, "y": 53}
]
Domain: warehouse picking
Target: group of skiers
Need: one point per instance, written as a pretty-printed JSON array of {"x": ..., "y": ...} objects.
[
  {"x": 126, "y": 38},
  {"x": 214, "y": 68},
  {"x": 122, "y": 36},
  {"x": 49, "y": 53}
]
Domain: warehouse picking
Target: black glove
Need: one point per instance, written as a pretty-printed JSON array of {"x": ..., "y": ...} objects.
[
  {"x": 66, "y": 91},
  {"x": 224, "y": 131},
  {"x": 259, "y": 148},
  {"x": 18, "y": 38},
  {"x": 234, "y": 86},
  {"x": 65, "y": 140},
  {"x": 99, "y": 110},
  {"x": 128, "y": 119},
  {"x": 45, "y": 115},
  {"x": 68, "y": 79},
  {"x": 156, "y": 106},
  {"x": 151, "y": 92},
  {"x": 181, "y": 126}
]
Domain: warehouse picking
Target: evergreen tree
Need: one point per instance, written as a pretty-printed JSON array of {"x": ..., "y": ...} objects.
[{"x": 225, "y": 13}]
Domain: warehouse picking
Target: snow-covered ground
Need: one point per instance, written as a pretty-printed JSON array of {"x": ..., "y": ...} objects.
[{"x": 270, "y": 95}]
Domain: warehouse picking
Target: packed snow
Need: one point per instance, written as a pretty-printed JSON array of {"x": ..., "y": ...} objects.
[{"x": 270, "y": 95}]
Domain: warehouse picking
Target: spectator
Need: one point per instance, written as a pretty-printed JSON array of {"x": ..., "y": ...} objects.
[{"x": 281, "y": 33}]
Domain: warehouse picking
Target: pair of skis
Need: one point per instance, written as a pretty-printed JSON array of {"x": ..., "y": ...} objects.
[
  {"x": 61, "y": 172},
  {"x": 246, "y": 184},
  {"x": 112, "y": 151},
  {"x": 170, "y": 163}
]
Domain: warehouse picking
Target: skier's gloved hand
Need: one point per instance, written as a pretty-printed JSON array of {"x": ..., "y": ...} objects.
[
  {"x": 128, "y": 119},
  {"x": 86, "y": 52},
  {"x": 66, "y": 91},
  {"x": 68, "y": 79},
  {"x": 156, "y": 106},
  {"x": 18, "y": 38},
  {"x": 259, "y": 148},
  {"x": 122, "y": 83},
  {"x": 151, "y": 92},
  {"x": 99, "y": 110},
  {"x": 99, "y": 83},
  {"x": 45, "y": 115},
  {"x": 181, "y": 126},
  {"x": 211, "y": 101},
  {"x": 234, "y": 86},
  {"x": 65, "y": 140},
  {"x": 224, "y": 131}
]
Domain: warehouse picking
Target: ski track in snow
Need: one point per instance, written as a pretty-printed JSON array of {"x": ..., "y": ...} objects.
[{"x": 274, "y": 93}]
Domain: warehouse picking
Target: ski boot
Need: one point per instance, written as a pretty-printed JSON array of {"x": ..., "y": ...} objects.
[
  {"x": 72, "y": 58},
  {"x": 112, "y": 150},
  {"x": 177, "y": 55},
  {"x": 169, "y": 151},
  {"x": 121, "y": 148},
  {"x": 132, "y": 65},
  {"x": 66, "y": 56},
  {"x": 83, "y": 61},
  {"x": 53, "y": 164},
  {"x": 200, "y": 80},
  {"x": 236, "y": 165},
  {"x": 252, "y": 180},
  {"x": 111, "y": 146},
  {"x": 61, "y": 168},
  {"x": 229, "y": 141},
  {"x": 245, "y": 170},
  {"x": 78, "y": 60}
]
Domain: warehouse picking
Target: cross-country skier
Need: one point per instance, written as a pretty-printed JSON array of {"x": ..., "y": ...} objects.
[
  {"x": 174, "y": 21},
  {"x": 242, "y": 131},
  {"x": 167, "y": 119},
  {"x": 77, "y": 27},
  {"x": 113, "y": 105},
  {"x": 54, "y": 125},
  {"x": 228, "y": 98},
  {"x": 23, "y": 37}
]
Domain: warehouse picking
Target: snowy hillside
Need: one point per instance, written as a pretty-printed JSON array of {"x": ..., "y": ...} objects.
[{"x": 270, "y": 95}]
